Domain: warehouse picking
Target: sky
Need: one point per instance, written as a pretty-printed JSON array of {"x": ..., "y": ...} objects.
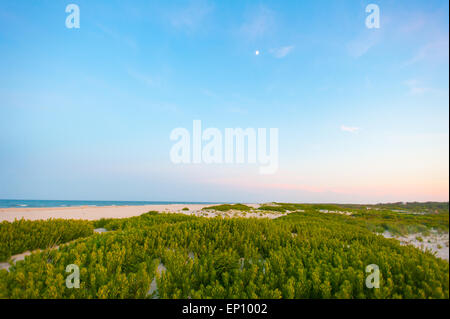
[{"x": 362, "y": 114}]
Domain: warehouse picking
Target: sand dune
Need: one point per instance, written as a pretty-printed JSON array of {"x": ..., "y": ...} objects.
[{"x": 89, "y": 212}]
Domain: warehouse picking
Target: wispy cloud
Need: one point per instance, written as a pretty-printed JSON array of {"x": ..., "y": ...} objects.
[
  {"x": 415, "y": 88},
  {"x": 146, "y": 79},
  {"x": 259, "y": 22},
  {"x": 349, "y": 129},
  {"x": 118, "y": 37},
  {"x": 209, "y": 93},
  {"x": 231, "y": 104},
  {"x": 433, "y": 51},
  {"x": 190, "y": 16},
  {"x": 237, "y": 110},
  {"x": 412, "y": 25},
  {"x": 363, "y": 44},
  {"x": 282, "y": 51}
]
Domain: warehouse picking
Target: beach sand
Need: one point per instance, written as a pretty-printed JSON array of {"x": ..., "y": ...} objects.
[
  {"x": 96, "y": 212},
  {"x": 435, "y": 241}
]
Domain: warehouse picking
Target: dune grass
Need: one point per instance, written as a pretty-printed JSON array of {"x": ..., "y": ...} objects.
[{"x": 227, "y": 207}]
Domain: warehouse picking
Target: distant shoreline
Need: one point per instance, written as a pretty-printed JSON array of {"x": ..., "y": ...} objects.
[{"x": 34, "y": 203}]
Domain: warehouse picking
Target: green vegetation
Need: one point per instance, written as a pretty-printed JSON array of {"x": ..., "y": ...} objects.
[
  {"x": 402, "y": 223},
  {"x": 149, "y": 219},
  {"x": 227, "y": 207},
  {"x": 22, "y": 235},
  {"x": 283, "y": 207},
  {"x": 302, "y": 255},
  {"x": 413, "y": 207},
  {"x": 376, "y": 220},
  {"x": 185, "y": 208},
  {"x": 429, "y": 207},
  {"x": 272, "y": 208}
]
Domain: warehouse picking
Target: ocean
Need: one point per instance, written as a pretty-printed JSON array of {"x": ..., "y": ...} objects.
[{"x": 7, "y": 203}]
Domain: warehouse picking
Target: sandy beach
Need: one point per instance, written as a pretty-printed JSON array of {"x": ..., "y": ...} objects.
[
  {"x": 90, "y": 212},
  {"x": 435, "y": 241}
]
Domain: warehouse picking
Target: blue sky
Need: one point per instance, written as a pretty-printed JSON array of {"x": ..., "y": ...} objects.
[{"x": 87, "y": 113}]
